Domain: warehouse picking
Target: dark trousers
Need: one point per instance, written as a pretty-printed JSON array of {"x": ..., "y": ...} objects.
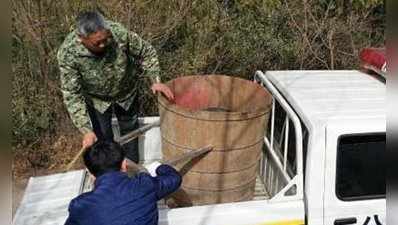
[{"x": 127, "y": 120}]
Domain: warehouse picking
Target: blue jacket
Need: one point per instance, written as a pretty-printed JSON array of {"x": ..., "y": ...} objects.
[{"x": 120, "y": 200}]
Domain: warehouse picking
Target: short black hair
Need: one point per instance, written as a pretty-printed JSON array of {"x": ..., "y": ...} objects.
[
  {"x": 88, "y": 22},
  {"x": 103, "y": 157}
]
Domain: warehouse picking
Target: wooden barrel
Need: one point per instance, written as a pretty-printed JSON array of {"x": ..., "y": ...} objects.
[{"x": 227, "y": 113}]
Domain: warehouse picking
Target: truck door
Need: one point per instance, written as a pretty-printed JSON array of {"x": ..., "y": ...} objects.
[{"x": 355, "y": 185}]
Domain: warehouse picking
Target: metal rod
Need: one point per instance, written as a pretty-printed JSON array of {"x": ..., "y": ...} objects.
[
  {"x": 188, "y": 156},
  {"x": 272, "y": 121},
  {"x": 276, "y": 160},
  {"x": 296, "y": 123},
  {"x": 136, "y": 133},
  {"x": 286, "y": 143}
]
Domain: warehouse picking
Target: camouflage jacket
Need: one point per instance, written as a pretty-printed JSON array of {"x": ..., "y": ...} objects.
[{"x": 101, "y": 81}]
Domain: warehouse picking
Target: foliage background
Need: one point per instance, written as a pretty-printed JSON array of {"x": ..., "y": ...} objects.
[{"x": 233, "y": 37}]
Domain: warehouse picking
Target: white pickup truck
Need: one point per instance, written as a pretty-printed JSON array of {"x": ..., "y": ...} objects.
[{"x": 323, "y": 160}]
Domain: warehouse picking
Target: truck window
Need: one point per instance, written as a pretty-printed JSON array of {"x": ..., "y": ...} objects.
[{"x": 360, "y": 169}]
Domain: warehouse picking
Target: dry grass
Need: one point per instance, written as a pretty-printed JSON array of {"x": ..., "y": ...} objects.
[{"x": 192, "y": 37}]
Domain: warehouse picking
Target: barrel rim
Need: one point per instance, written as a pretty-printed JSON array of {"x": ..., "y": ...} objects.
[
  {"x": 237, "y": 187},
  {"x": 215, "y": 149},
  {"x": 228, "y": 172},
  {"x": 213, "y": 116}
]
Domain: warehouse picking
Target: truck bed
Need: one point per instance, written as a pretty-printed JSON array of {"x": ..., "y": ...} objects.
[
  {"x": 47, "y": 198},
  {"x": 259, "y": 192}
]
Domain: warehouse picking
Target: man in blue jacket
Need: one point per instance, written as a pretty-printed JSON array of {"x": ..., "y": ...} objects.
[{"x": 116, "y": 198}]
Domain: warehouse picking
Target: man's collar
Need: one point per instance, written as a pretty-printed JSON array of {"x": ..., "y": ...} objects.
[
  {"x": 83, "y": 51},
  {"x": 109, "y": 177}
]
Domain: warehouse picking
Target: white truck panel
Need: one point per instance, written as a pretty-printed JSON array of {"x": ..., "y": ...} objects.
[
  {"x": 239, "y": 213},
  {"x": 47, "y": 198},
  {"x": 150, "y": 140},
  {"x": 320, "y": 97},
  {"x": 314, "y": 176}
]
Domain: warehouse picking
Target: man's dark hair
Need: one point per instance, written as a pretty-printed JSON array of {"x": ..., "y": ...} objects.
[
  {"x": 89, "y": 22},
  {"x": 103, "y": 157}
]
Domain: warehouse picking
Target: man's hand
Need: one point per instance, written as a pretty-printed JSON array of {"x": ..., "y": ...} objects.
[
  {"x": 89, "y": 139},
  {"x": 164, "y": 89}
]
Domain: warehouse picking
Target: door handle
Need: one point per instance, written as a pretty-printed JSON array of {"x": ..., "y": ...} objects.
[{"x": 345, "y": 221}]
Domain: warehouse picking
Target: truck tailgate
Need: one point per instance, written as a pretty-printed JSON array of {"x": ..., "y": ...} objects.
[{"x": 261, "y": 212}]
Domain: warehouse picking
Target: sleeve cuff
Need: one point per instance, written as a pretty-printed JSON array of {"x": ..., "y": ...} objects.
[
  {"x": 165, "y": 169},
  {"x": 153, "y": 167},
  {"x": 85, "y": 130}
]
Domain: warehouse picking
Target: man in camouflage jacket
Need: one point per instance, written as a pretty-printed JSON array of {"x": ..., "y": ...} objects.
[{"x": 100, "y": 62}]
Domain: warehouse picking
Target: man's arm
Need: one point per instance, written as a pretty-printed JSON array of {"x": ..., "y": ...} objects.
[
  {"x": 70, "y": 219},
  {"x": 144, "y": 50},
  {"x": 168, "y": 180},
  {"x": 150, "y": 63},
  {"x": 72, "y": 92}
]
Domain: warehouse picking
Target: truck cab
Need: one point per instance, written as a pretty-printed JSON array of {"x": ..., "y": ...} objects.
[
  {"x": 323, "y": 160},
  {"x": 343, "y": 122}
]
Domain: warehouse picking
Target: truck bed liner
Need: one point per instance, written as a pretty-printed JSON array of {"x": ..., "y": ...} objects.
[{"x": 259, "y": 192}]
